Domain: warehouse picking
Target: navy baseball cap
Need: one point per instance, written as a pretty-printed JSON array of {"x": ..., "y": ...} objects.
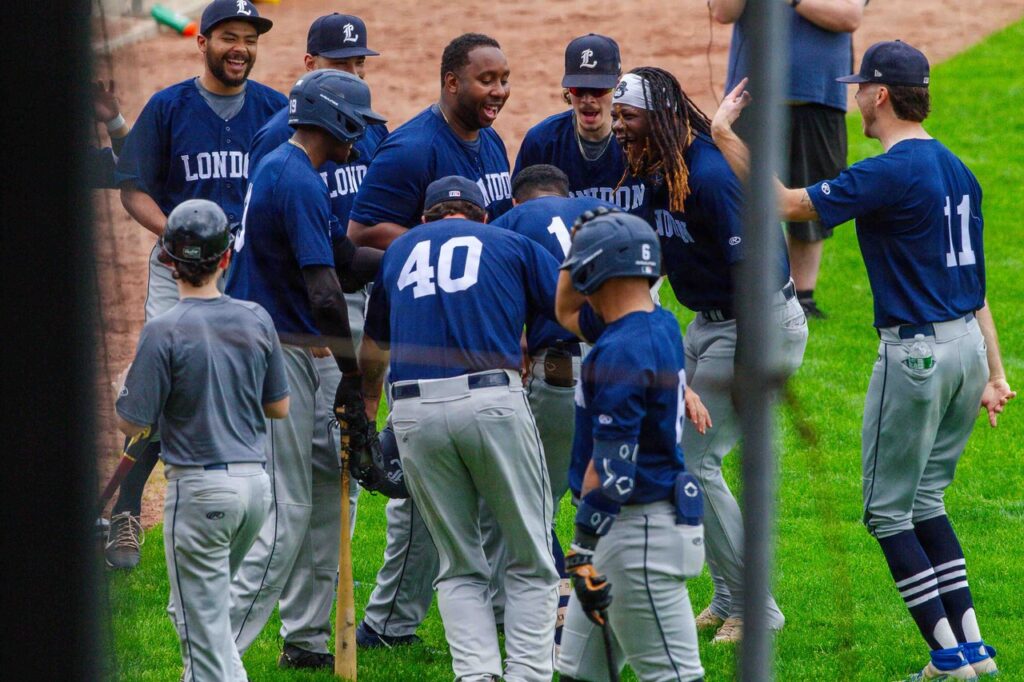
[
  {"x": 338, "y": 36},
  {"x": 893, "y": 63},
  {"x": 232, "y": 10},
  {"x": 453, "y": 188},
  {"x": 592, "y": 61}
]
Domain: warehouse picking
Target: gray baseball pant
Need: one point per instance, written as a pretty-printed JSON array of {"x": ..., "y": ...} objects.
[
  {"x": 458, "y": 446},
  {"x": 917, "y": 422},
  {"x": 645, "y": 558},
  {"x": 211, "y": 518},
  {"x": 710, "y": 356}
]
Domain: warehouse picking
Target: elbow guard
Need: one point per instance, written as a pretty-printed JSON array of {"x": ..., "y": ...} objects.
[{"x": 615, "y": 464}]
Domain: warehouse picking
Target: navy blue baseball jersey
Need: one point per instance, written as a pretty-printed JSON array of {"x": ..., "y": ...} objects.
[
  {"x": 547, "y": 221},
  {"x": 919, "y": 224},
  {"x": 452, "y": 296},
  {"x": 631, "y": 389},
  {"x": 702, "y": 244},
  {"x": 421, "y": 151},
  {"x": 553, "y": 141},
  {"x": 286, "y": 227},
  {"x": 180, "y": 149},
  {"x": 342, "y": 180}
]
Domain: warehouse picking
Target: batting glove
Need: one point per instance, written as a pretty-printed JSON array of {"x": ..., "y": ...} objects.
[{"x": 592, "y": 589}]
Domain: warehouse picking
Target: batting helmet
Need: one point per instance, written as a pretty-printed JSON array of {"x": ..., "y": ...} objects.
[
  {"x": 333, "y": 100},
  {"x": 197, "y": 231},
  {"x": 608, "y": 243}
]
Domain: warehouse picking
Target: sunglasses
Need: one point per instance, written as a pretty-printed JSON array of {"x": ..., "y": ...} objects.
[{"x": 593, "y": 92}]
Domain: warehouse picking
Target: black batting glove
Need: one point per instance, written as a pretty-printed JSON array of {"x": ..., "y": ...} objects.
[{"x": 592, "y": 589}]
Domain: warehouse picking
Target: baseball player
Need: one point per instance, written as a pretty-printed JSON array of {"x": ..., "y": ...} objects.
[
  {"x": 638, "y": 525},
  {"x": 208, "y": 370},
  {"x": 451, "y": 137},
  {"x": 190, "y": 141},
  {"x": 447, "y": 310},
  {"x": 580, "y": 141},
  {"x": 695, "y": 208},
  {"x": 544, "y": 212},
  {"x": 336, "y": 41},
  {"x": 919, "y": 223},
  {"x": 287, "y": 262}
]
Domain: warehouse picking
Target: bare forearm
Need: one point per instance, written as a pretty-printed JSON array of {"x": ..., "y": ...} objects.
[
  {"x": 726, "y": 11},
  {"x": 143, "y": 209},
  {"x": 378, "y": 236},
  {"x": 373, "y": 360},
  {"x": 733, "y": 149},
  {"x": 568, "y": 302},
  {"x": 840, "y": 16},
  {"x": 988, "y": 330}
]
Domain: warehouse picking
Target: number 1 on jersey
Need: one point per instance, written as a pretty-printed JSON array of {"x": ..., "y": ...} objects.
[
  {"x": 561, "y": 232},
  {"x": 966, "y": 255}
]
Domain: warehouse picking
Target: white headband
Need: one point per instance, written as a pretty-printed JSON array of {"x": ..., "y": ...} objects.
[{"x": 634, "y": 91}]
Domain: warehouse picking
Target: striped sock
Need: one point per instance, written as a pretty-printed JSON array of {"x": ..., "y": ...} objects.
[
  {"x": 918, "y": 586},
  {"x": 940, "y": 543}
]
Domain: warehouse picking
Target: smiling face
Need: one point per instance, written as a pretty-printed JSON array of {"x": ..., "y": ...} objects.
[
  {"x": 593, "y": 111},
  {"x": 632, "y": 128},
  {"x": 230, "y": 51},
  {"x": 480, "y": 88}
]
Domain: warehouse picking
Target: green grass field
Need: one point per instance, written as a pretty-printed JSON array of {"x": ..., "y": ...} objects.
[{"x": 845, "y": 618}]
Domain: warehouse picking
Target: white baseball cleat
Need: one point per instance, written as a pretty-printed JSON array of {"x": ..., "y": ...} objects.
[
  {"x": 707, "y": 620},
  {"x": 730, "y": 632}
]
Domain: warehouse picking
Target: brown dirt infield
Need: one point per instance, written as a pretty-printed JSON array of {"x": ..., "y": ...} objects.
[{"x": 411, "y": 36}]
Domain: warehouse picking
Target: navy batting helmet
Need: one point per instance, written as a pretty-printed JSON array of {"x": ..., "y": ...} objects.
[
  {"x": 608, "y": 243},
  {"x": 197, "y": 231},
  {"x": 333, "y": 100}
]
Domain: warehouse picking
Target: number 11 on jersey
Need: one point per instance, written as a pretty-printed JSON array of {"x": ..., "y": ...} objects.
[{"x": 966, "y": 255}]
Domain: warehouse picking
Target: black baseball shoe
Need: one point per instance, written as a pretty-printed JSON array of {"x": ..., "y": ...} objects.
[
  {"x": 294, "y": 657},
  {"x": 368, "y": 638},
  {"x": 124, "y": 537}
]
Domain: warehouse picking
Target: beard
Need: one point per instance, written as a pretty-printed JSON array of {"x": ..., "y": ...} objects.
[{"x": 217, "y": 67}]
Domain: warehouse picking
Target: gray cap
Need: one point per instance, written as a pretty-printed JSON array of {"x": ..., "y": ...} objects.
[{"x": 453, "y": 188}]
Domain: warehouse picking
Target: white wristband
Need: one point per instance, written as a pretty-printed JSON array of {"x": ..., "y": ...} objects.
[{"x": 115, "y": 123}]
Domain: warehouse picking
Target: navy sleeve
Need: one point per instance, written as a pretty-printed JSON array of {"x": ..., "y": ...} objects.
[
  {"x": 528, "y": 154},
  {"x": 618, "y": 404},
  {"x": 275, "y": 383},
  {"x": 143, "y": 160},
  {"x": 267, "y": 139},
  {"x": 863, "y": 188},
  {"x": 591, "y": 324},
  {"x": 149, "y": 380},
  {"x": 307, "y": 219},
  {"x": 394, "y": 186},
  {"x": 377, "y": 325},
  {"x": 541, "y": 280}
]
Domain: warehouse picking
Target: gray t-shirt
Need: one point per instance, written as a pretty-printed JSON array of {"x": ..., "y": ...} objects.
[
  {"x": 204, "y": 369},
  {"x": 225, "y": 106}
]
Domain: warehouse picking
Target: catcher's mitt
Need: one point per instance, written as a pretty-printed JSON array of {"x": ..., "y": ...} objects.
[{"x": 377, "y": 465}]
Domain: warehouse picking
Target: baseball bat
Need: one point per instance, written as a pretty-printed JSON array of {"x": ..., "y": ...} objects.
[
  {"x": 131, "y": 452},
  {"x": 345, "y": 610},
  {"x": 613, "y": 671}
]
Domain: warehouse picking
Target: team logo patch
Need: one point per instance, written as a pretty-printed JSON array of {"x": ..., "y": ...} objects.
[
  {"x": 926, "y": 80},
  {"x": 691, "y": 489},
  {"x": 878, "y": 74},
  {"x": 620, "y": 89},
  {"x": 193, "y": 252},
  {"x": 454, "y": 193},
  {"x": 826, "y": 188},
  {"x": 604, "y": 419},
  {"x": 733, "y": 241},
  {"x": 350, "y": 34},
  {"x": 243, "y": 8},
  {"x": 215, "y": 515},
  {"x": 587, "y": 59},
  {"x": 123, "y": 392}
]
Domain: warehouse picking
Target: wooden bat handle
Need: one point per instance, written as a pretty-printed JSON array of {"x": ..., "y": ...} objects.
[{"x": 345, "y": 612}]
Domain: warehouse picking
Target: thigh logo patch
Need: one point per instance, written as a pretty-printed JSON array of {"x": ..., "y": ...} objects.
[{"x": 214, "y": 515}]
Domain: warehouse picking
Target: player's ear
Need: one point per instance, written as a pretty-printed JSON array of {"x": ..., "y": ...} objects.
[
  {"x": 225, "y": 259},
  {"x": 514, "y": 202},
  {"x": 423, "y": 219},
  {"x": 310, "y": 62},
  {"x": 487, "y": 217},
  {"x": 201, "y": 41}
]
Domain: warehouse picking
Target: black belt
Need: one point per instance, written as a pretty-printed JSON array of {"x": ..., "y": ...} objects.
[
  {"x": 573, "y": 347},
  {"x": 726, "y": 313},
  {"x": 224, "y": 466},
  {"x": 909, "y": 331},
  {"x": 482, "y": 380}
]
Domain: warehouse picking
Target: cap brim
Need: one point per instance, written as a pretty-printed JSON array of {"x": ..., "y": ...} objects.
[
  {"x": 597, "y": 80},
  {"x": 346, "y": 52},
  {"x": 853, "y": 78},
  {"x": 262, "y": 24}
]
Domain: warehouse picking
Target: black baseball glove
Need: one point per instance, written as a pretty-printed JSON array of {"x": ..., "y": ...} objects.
[
  {"x": 378, "y": 467},
  {"x": 350, "y": 412}
]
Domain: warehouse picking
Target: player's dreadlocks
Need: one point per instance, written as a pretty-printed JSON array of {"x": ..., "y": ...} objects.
[{"x": 674, "y": 119}]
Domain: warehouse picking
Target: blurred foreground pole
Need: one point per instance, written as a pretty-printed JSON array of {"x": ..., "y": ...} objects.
[
  {"x": 51, "y": 581},
  {"x": 757, "y": 371}
]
